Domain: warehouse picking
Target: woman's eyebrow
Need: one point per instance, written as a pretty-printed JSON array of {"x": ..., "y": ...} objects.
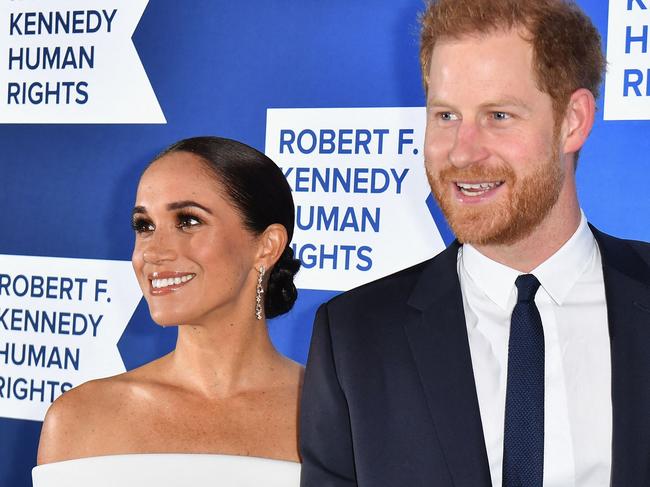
[{"x": 178, "y": 205}]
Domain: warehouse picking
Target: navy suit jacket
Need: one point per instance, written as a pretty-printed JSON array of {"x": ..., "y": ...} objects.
[{"x": 389, "y": 398}]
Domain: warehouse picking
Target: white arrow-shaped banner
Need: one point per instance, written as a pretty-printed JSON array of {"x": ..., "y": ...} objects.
[
  {"x": 73, "y": 61},
  {"x": 359, "y": 187},
  {"x": 627, "y": 84},
  {"x": 60, "y": 321}
]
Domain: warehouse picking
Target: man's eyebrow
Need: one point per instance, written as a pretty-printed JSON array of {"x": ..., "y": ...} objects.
[
  {"x": 179, "y": 205},
  {"x": 435, "y": 102},
  {"x": 499, "y": 102},
  {"x": 507, "y": 101}
]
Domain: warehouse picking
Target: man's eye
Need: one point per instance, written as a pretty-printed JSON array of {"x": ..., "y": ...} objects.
[
  {"x": 500, "y": 115},
  {"x": 188, "y": 221},
  {"x": 448, "y": 116},
  {"x": 142, "y": 225}
]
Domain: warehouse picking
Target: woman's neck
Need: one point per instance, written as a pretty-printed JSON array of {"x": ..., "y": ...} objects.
[{"x": 221, "y": 359}]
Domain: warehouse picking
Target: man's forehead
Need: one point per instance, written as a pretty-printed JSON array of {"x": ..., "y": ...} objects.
[
  {"x": 492, "y": 68},
  {"x": 477, "y": 53},
  {"x": 494, "y": 43}
]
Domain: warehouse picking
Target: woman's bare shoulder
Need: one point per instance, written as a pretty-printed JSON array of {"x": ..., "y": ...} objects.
[
  {"x": 293, "y": 372},
  {"x": 80, "y": 422}
]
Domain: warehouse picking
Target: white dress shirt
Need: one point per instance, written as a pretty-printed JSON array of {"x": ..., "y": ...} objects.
[{"x": 577, "y": 384}]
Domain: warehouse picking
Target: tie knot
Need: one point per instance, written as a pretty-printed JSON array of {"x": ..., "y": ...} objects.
[{"x": 527, "y": 286}]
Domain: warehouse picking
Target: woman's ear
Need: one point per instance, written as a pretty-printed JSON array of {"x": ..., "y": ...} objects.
[{"x": 272, "y": 243}]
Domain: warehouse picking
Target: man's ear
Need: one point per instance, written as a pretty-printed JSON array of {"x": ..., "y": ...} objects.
[
  {"x": 578, "y": 120},
  {"x": 272, "y": 243}
]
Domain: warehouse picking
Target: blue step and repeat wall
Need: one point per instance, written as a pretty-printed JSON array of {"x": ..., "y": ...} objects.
[{"x": 91, "y": 90}]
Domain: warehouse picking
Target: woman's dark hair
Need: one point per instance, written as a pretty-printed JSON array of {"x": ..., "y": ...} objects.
[{"x": 260, "y": 192}]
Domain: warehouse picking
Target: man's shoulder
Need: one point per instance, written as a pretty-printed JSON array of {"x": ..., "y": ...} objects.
[
  {"x": 601, "y": 235},
  {"x": 396, "y": 285},
  {"x": 393, "y": 291},
  {"x": 639, "y": 246},
  {"x": 612, "y": 243},
  {"x": 631, "y": 257}
]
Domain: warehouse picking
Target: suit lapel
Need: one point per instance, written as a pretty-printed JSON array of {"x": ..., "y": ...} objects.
[
  {"x": 441, "y": 351},
  {"x": 627, "y": 290}
]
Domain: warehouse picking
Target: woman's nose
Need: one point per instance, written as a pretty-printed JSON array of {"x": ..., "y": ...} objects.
[{"x": 159, "y": 248}]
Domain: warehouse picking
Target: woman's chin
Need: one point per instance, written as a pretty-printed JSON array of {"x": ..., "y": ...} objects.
[{"x": 165, "y": 318}]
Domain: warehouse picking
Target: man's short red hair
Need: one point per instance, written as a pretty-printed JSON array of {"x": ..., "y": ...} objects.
[{"x": 567, "y": 52}]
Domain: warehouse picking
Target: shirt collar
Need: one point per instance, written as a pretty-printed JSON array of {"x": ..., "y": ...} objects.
[
  {"x": 560, "y": 272},
  {"x": 494, "y": 279},
  {"x": 557, "y": 275}
]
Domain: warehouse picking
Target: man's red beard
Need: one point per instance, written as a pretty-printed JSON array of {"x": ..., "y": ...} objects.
[{"x": 507, "y": 219}]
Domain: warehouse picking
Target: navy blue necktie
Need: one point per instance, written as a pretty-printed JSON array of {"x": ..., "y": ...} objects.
[{"x": 523, "y": 440}]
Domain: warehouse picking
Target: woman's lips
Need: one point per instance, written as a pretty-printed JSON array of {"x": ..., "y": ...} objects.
[{"x": 167, "y": 282}]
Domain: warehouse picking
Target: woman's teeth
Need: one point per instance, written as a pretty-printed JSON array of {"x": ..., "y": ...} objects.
[
  {"x": 477, "y": 189},
  {"x": 171, "y": 281}
]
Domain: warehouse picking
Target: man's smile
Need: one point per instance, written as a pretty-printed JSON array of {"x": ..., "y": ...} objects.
[{"x": 477, "y": 189}]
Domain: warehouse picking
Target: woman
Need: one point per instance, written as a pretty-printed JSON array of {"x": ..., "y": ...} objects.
[{"x": 213, "y": 219}]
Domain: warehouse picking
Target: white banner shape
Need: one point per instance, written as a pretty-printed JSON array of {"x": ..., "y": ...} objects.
[
  {"x": 73, "y": 61},
  {"x": 359, "y": 187},
  {"x": 627, "y": 87},
  {"x": 60, "y": 321}
]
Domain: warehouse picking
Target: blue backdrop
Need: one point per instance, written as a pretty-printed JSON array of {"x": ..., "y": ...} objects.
[{"x": 216, "y": 67}]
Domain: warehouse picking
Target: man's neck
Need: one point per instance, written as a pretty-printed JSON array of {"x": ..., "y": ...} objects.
[{"x": 544, "y": 241}]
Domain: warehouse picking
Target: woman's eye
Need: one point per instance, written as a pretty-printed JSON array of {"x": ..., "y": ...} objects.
[
  {"x": 188, "y": 221},
  {"x": 141, "y": 225}
]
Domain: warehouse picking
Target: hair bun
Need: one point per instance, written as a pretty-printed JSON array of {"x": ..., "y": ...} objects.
[{"x": 282, "y": 292}]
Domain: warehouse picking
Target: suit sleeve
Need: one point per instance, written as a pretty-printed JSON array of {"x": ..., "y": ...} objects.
[{"x": 325, "y": 435}]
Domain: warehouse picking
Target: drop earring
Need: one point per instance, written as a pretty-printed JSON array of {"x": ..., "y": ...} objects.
[{"x": 259, "y": 290}]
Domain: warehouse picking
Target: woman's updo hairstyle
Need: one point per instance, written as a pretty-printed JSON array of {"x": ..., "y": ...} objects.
[{"x": 260, "y": 192}]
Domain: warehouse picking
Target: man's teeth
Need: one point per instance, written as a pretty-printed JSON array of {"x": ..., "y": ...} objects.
[
  {"x": 171, "y": 281},
  {"x": 477, "y": 189}
]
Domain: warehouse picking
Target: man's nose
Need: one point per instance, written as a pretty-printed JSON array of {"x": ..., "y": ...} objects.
[{"x": 468, "y": 146}]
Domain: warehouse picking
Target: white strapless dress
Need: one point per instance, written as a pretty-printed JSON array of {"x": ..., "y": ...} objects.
[{"x": 168, "y": 470}]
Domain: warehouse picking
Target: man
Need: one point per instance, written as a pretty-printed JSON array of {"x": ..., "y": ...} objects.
[{"x": 519, "y": 355}]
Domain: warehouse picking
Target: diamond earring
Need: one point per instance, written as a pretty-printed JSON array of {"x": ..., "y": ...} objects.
[{"x": 258, "y": 293}]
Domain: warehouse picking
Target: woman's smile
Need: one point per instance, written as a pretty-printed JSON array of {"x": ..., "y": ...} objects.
[{"x": 166, "y": 282}]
